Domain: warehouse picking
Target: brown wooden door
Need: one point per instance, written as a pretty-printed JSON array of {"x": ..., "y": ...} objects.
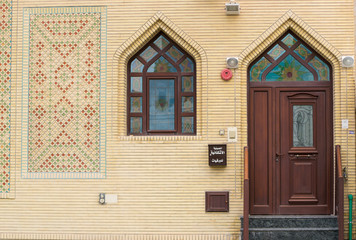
[{"x": 290, "y": 150}]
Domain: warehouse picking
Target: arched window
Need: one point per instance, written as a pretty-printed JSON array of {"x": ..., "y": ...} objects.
[
  {"x": 161, "y": 93},
  {"x": 289, "y": 60}
]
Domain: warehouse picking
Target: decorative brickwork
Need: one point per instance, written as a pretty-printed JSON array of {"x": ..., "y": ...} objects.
[
  {"x": 5, "y": 78},
  {"x": 65, "y": 89}
]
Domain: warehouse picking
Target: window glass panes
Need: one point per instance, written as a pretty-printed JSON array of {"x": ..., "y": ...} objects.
[
  {"x": 187, "y": 84},
  {"x": 276, "y": 52},
  {"x": 187, "y": 65},
  {"x": 321, "y": 68},
  {"x": 302, "y": 125},
  {"x": 187, "y": 124},
  {"x": 148, "y": 54},
  {"x": 289, "y": 40},
  {"x": 161, "y": 104},
  {"x": 136, "y": 124},
  {"x": 136, "y": 104},
  {"x": 258, "y": 68},
  {"x": 136, "y": 66},
  {"x": 161, "y": 65},
  {"x": 161, "y": 42},
  {"x": 187, "y": 104},
  {"x": 136, "y": 84},
  {"x": 174, "y": 53},
  {"x": 302, "y": 51}
]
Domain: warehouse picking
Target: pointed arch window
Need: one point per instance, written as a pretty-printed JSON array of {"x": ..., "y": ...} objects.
[
  {"x": 161, "y": 93},
  {"x": 289, "y": 59}
]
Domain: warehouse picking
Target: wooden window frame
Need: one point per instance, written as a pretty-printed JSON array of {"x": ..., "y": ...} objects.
[{"x": 147, "y": 76}]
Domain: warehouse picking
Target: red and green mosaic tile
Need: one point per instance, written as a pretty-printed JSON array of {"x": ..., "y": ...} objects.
[
  {"x": 64, "y": 93},
  {"x": 5, "y": 79}
]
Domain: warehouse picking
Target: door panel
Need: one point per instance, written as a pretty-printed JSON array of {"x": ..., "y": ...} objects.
[
  {"x": 290, "y": 141},
  {"x": 261, "y": 165}
]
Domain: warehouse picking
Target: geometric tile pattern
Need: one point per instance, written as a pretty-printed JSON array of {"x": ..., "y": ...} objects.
[
  {"x": 65, "y": 93},
  {"x": 5, "y": 78}
]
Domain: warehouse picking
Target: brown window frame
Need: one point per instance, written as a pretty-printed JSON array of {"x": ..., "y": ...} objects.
[{"x": 147, "y": 76}]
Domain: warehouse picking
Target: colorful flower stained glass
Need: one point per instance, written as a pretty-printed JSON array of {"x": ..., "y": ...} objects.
[
  {"x": 321, "y": 68},
  {"x": 297, "y": 66},
  {"x": 187, "y": 104},
  {"x": 302, "y": 51},
  {"x": 161, "y": 65},
  {"x": 136, "y": 66},
  {"x": 174, "y": 53},
  {"x": 289, "y": 40},
  {"x": 187, "y": 65},
  {"x": 187, "y": 124},
  {"x": 288, "y": 70},
  {"x": 148, "y": 54},
  {"x": 136, "y": 104},
  {"x": 136, "y": 84},
  {"x": 258, "y": 68},
  {"x": 276, "y": 52},
  {"x": 187, "y": 84},
  {"x": 161, "y": 42},
  {"x": 136, "y": 125}
]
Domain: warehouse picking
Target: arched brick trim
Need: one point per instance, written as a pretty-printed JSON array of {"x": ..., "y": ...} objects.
[{"x": 159, "y": 22}]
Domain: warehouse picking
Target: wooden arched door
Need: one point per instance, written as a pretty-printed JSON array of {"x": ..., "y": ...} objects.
[{"x": 290, "y": 130}]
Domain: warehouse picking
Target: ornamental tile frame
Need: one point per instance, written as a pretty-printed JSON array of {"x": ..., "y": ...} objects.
[
  {"x": 6, "y": 175},
  {"x": 64, "y": 92}
]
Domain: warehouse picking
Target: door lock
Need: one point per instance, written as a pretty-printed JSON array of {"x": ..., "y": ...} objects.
[{"x": 278, "y": 155}]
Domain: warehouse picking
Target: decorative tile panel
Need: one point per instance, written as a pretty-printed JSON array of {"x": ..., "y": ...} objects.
[
  {"x": 5, "y": 80},
  {"x": 64, "y": 89}
]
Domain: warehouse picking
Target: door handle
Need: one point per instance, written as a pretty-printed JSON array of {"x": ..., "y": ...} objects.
[{"x": 278, "y": 155}]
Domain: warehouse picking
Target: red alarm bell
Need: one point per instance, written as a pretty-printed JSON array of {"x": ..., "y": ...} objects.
[{"x": 226, "y": 74}]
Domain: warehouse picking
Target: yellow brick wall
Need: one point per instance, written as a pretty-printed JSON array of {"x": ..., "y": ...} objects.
[{"x": 160, "y": 181}]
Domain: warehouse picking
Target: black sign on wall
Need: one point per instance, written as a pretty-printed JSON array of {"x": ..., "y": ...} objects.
[{"x": 217, "y": 155}]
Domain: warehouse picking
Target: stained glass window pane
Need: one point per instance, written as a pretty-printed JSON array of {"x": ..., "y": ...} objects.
[
  {"x": 136, "y": 125},
  {"x": 136, "y": 66},
  {"x": 148, "y": 54},
  {"x": 174, "y": 53},
  {"x": 161, "y": 65},
  {"x": 302, "y": 51},
  {"x": 258, "y": 68},
  {"x": 187, "y": 104},
  {"x": 161, "y": 42},
  {"x": 289, "y": 40},
  {"x": 161, "y": 104},
  {"x": 136, "y": 104},
  {"x": 187, "y": 65},
  {"x": 187, "y": 84},
  {"x": 302, "y": 126},
  {"x": 276, "y": 52},
  {"x": 289, "y": 69},
  {"x": 321, "y": 68},
  {"x": 187, "y": 124},
  {"x": 136, "y": 84}
]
